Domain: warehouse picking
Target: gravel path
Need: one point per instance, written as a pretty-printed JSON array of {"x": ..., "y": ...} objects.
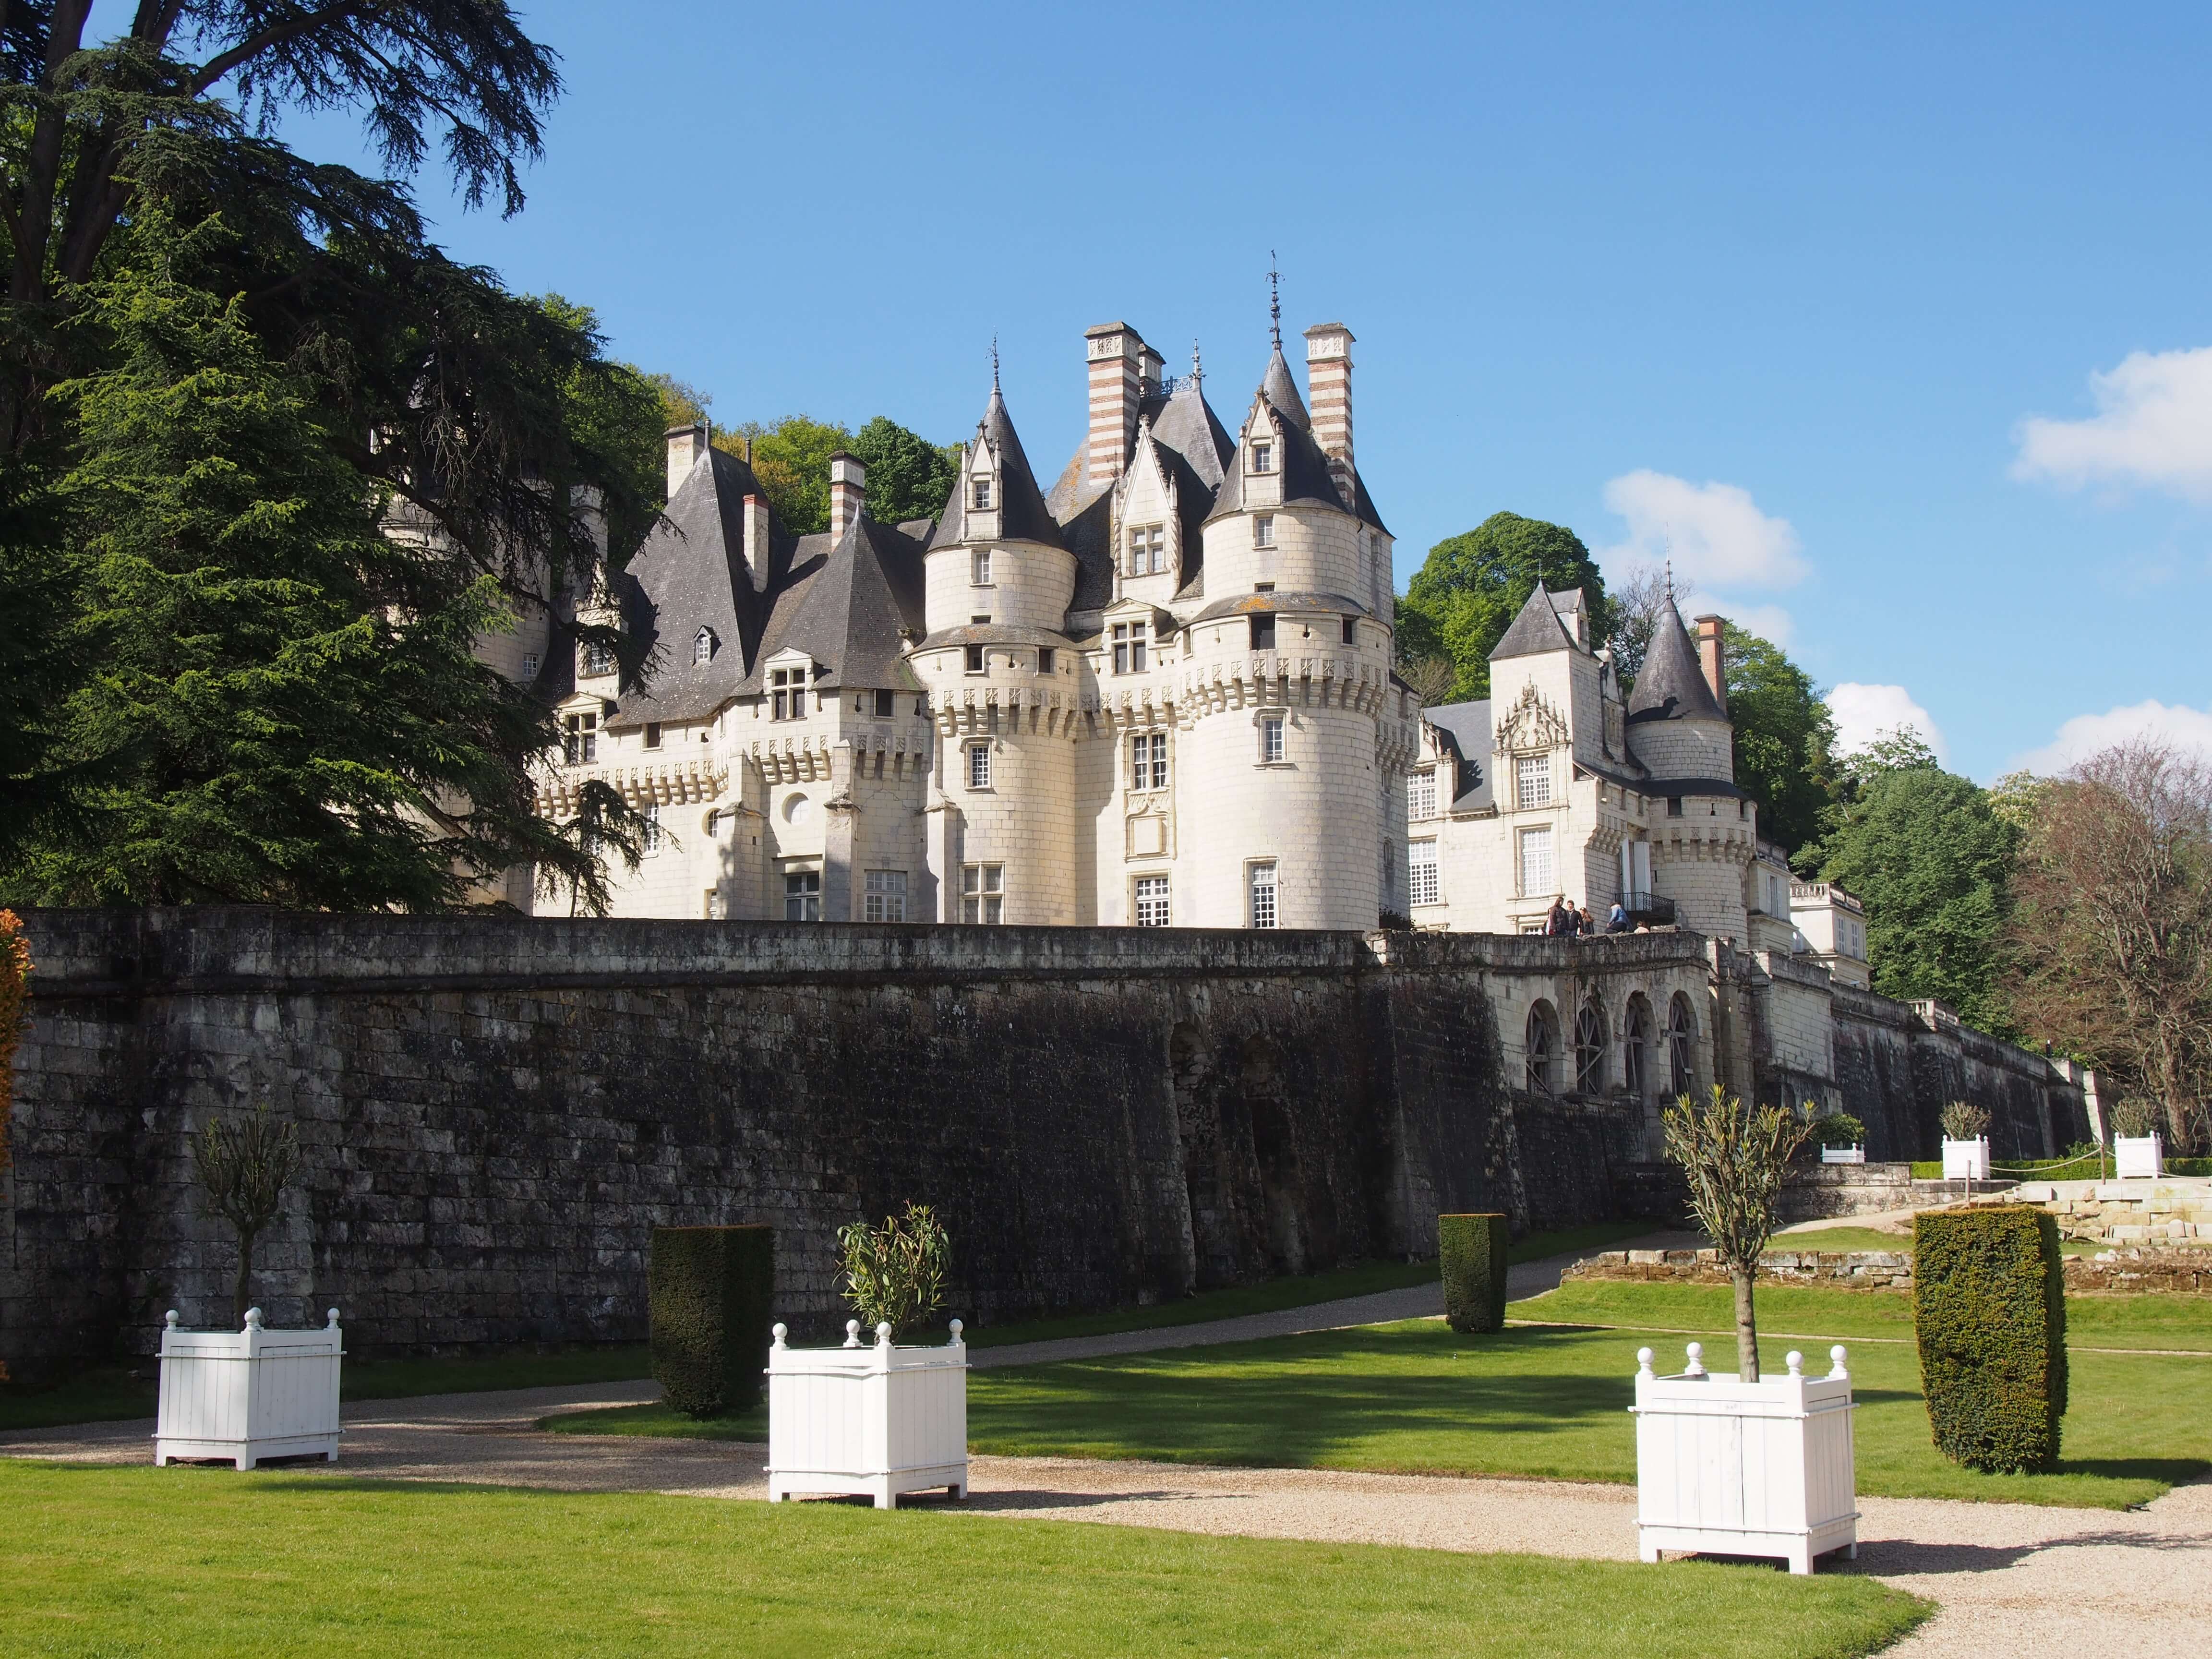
[{"x": 2014, "y": 1581}]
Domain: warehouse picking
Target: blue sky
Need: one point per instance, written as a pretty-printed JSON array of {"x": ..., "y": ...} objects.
[{"x": 1781, "y": 291}]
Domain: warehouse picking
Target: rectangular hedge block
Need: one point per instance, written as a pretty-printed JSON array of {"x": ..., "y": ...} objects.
[
  {"x": 1989, "y": 1306},
  {"x": 1471, "y": 1251},
  {"x": 710, "y": 1293}
]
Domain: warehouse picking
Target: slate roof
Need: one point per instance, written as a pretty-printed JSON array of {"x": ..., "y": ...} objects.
[
  {"x": 1535, "y": 630},
  {"x": 851, "y": 609},
  {"x": 1279, "y": 388},
  {"x": 1305, "y": 468},
  {"x": 1022, "y": 515},
  {"x": 1465, "y": 729},
  {"x": 992, "y": 634},
  {"x": 1248, "y": 604},
  {"x": 1671, "y": 686}
]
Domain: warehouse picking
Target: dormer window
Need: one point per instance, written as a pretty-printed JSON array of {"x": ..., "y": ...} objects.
[
  {"x": 1263, "y": 530},
  {"x": 1148, "y": 549},
  {"x": 702, "y": 646},
  {"x": 1129, "y": 647},
  {"x": 599, "y": 657},
  {"x": 980, "y": 495},
  {"x": 1263, "y": 458},
  {"x": 787, "y": 694}
]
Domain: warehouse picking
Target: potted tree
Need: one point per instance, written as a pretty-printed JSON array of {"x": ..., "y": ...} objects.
[
  {"x": 1965, "y": 1141},
  {"x": 878, "y": 1418},
  {"x": 1742, "y": 1465},
  {"x": 251, "y": 1392},
  {"x": 2138, "y": 1149}
]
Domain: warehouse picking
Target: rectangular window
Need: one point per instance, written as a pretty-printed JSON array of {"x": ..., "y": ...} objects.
[
  {"x": 1047, "y": 660},
  {"x": 979, "y": 765},
  {"x": 974, "y": 659},
  {"x": 530, "y": 665},
  {"x": 1152, "y": 900},
  {"x": 983, "y": 894},
  {"x": 980, "y": 495},
  {"x": 1263, "y": 530},
  {"x": 648, "y": 838},
  {"x": 1531, "y": 779},
  {"x": 1271, "y": 738},
  {"x": 884, "y": 705},
  {"x": 1148, "y": 761},
  {"x": 1261, "y": 881},
  {"x": 1537, "y": 873},
  {"x": 579, "y": 738},
  {"x": 1422, "y": 864},
  {"x": 1128, "y": 647},
  {"x": 1158, "y": 539},
  {"x": 1263, "y": 631},
  {"x": 1148, "y": 549},
  {"x": 1351, "y": 630},
  {"x": 884, "y": 899},
  {"x": 787, "y": 694},
  {"x": 1263, "y": 458},
  {"x": 653, "y": 734},
  {"x": 802, "y": 896},
  {"x": 1674, "y": 806},
  {"x": 980, "y": 568},
  {"x": 1421, "y": 794}
]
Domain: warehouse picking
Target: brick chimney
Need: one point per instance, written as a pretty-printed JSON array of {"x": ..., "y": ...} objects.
[
  {"x": 686, "y": 444},
  {"x": 1713, "y": 657},
  {"x": 1329, "y": 383},
  {"x": 848, "y": 490},
  {"x": 1113, "y": 351},
  {"x": 756, "y": 549}
]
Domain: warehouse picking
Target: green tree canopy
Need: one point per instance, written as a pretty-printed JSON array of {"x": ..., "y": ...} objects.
[
  {"x": 1923, "y": 850},
  {"x": 285, "y": 697},
  {"x": 908, "y": 476},
  {"x": 1467, "y": 592},
  {"x": 1784, "y": 735}
]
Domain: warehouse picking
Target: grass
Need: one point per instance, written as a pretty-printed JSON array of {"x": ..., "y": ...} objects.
[
  {"x": 1550, "y": 1402},
  {"x": 658, "y": 1422},
  {"x": 1302, "y": 1291},
  {"x": 107, "y": 1394},
  {"x": 107, "y": 1561}
]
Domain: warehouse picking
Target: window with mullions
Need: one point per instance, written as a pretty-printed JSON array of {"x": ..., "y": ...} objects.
[
  {"x": 1271, "y": 739},
  {"x": 1263, "y": 458},
  {"x": 702, "y": 646},
  {"x": 597, "y": 657},
  {"x": 1531, "y": 779},
  {"x": 648, "y": 838},
  {"x": 884, "y": 899},
  {"x": 1421, "y": 864},
  {"x": 1148, "y": 550},
  {"x": 579, "y": 738},
  {"x": 1260, "y": 883},
  {"x": 787, "y": 694},
  {"x": 980, "y": 569},
  {"x": 1148, "y": 761},
  {"x": 1421, "y": 793},
  {"x": 980, "y": 495},
  {"x": 1129, "y": 647},
  {"x": 1589, "y": 1050},
  {"x": 802, "y": 896},
  {"x": 979, "y": 765},
  {"x": 1152, "y": 900},
  {"x": 983, "y": 894}
]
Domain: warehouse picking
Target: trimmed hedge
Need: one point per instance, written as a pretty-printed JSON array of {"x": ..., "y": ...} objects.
[
  {"x": 1471, "y": 1251},
  {"x": 709, "y": 1292},
  {"x": 1989, "y": 1306}
]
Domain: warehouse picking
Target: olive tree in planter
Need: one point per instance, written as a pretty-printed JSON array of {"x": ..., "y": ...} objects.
[
  {"x": 881, "y": 1420},
  {"x": 245, "y": 1166},
  {"x": 1966, "y": 1142}
]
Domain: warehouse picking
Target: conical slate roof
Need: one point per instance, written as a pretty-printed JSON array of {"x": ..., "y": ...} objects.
[
  {"x": 1277, "y": 386},
  {"x": 1536, "y": 629},
  {"x": 1022, "y": 515},
  {"x": 1305, "y": 473},
  {"x": 1670, "y": 685}
]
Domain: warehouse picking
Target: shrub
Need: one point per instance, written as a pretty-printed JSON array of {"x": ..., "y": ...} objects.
[
  {"x": 1989, "y": 1306},
  {"x": 894, "y": 1274},
  {"x": 1964, "y": 1120},
  {"x": 1836, "y": 1129},
  {"x": 1471, "y": 1251},
  {"x": 709, "y": 1294},
  {"x": 2135, "y": 1117},
  {"x": 245, "y": 1167}
]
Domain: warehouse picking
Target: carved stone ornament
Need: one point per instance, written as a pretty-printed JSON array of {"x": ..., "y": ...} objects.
[{"x": 1532, "y": 724}]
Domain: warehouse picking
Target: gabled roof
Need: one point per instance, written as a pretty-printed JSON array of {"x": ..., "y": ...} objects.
[
  {"x": 1535, "y": 630},
  {"x": 1671, "y": 686},
  {"x": 849, "y": 617},
  {"x": 1463, "y": 729},
  {"x": 1186, "y": 424},
  {"x": 1305, "y": 468},
  {"x": 1022, "y": 515}
]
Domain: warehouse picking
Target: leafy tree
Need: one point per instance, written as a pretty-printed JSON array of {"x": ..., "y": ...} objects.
[
  {"x": 908, "y": 476},
  {"x": 617, "y": 411},
  {"x": 894, "y": 1274},
  {"x": 1465, "y": 594},
  {"x": 1926, "y": 853},
  {"x": 791, "y": 458},
  {"x": 1638, "y": 599},
  {"x": 682, "y": 403},
  {"x": 286, "y": 697},
  {"x": 1784, "y": 735}
]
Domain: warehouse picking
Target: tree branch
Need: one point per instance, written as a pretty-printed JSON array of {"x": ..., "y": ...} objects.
[{"x": 276, "y": 35}]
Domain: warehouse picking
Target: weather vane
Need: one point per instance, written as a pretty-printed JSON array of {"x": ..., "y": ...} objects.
[
  {"x": 1197, "y": 370},
  {"x": 995, "y": 362},
  {"x": 1275, "y": 300}
]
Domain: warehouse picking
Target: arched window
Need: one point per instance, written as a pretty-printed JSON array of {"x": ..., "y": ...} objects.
[
  {"x": 1589, "y": 1050},
  {"x": 1543, "y": 1045},
  {"x": 702, "y": 646},
  {"x": 1636, "y": 1049},
  {"x": 1682, "y": 1042}
]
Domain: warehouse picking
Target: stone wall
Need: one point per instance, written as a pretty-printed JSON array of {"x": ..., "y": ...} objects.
[
  {"x": 495, "y": 1112},
  {"x": 1854, "y": 1270},
  {"x": 2173, "y": 1210}
]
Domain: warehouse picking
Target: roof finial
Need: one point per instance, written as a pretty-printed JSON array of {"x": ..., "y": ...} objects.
[
  {"x": 994, "y": 365},
  {"x": 1197, "y": 369},
  {"x": 1275, "y": 300},
  {"x": 1670, "y": 580}
]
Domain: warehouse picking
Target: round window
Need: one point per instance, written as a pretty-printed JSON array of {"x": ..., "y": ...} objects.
[{"x": 798, "y": 809}]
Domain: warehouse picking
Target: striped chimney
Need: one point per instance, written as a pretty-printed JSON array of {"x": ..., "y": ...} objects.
[
  {"x": 1113, "y": 350},
  {"x": 1328, "y": 384},
  {"x": 848, "y": 490}
]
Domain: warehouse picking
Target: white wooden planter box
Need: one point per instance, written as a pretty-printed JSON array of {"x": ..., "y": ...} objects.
[
  {"x": 876, "y": 1420},
  {"x": 1843, "y": 1154},
  {"x": 250, "y": 1394},
  {"x": 2138, "y": 1158},
  {"x": 1967, "y": 1160},
  {"x": 1745, "y": 1468}
]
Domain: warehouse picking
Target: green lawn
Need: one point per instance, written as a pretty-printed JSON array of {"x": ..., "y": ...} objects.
[
  {"x": 659, "y": 1422},
  {"x": 107, "y": 1561},
  {"x": 1302, "y": 1291},
  {"x": 109, "y": 1393},
  {"x": 1547, "y": 1401}
]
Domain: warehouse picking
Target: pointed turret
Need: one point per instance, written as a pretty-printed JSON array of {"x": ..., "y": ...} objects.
[
  {"x": 1278, "y": 388},
  {"x": 996, "y": 497},
  {"x": 1537, "y": 628},
  {"x": 1670, "y": 685}
]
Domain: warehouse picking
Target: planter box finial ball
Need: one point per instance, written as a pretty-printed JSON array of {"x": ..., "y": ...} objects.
[
  {"x": 876, "y": 1420},
  {"x": 249, "y": 1394}
]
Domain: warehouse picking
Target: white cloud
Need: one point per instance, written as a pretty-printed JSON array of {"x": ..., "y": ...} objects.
[
  {"x": 1770, "y": 622},
  {"x": 2153, "y": 426},
  {"x": 1713, "y": 533},
  {"x": 1863, "y": 712},
  {"x": 2085, "y": 734}
]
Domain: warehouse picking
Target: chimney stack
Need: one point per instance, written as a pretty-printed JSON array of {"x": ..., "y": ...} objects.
[
  {"x": 757, "y": 549},
  {"x": 686, "y": 444},
  {"x": 1113, "y": 350},
  {"x": 1329, "y": 382},
  {"x": 1713, "y": 657},
  {"x": 849, "y": 491}
]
